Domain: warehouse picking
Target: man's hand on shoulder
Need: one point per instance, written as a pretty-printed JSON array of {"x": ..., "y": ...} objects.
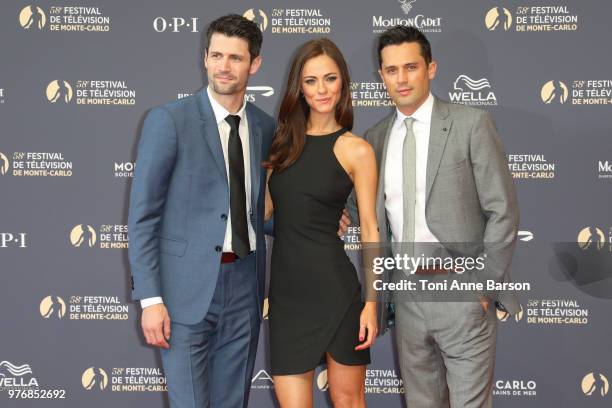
[
  {"x": 344, "y": 223},
  {"x": 156, "y": 325}
]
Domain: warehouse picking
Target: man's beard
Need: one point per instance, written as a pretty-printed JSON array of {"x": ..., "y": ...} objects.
[{"x": 226, "y": 89}]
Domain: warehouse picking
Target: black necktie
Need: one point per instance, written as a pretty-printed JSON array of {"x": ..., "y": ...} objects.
[{"x": 240, "y": 233}]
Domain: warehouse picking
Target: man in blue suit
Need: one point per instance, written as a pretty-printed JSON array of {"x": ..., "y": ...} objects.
[{"x": 197, "y": 249}]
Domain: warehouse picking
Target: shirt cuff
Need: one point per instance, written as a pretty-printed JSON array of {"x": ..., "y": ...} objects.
[{"x": 151, "y": 301}]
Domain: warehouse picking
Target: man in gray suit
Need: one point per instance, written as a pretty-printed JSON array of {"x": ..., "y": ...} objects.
[
  {"x": 197, "y": 249},
  {"x": 443, "y": 179}
]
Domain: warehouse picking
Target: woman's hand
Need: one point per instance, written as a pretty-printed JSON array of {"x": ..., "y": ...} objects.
[
  {"x": 368, "y": 326},
  {"x": 269, "y": 206}
]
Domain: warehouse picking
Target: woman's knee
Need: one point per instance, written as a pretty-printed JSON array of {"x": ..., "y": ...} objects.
[{"x": 347, "y": 397}]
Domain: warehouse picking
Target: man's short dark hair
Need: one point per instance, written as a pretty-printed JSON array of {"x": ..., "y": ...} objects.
[
  {"x": 235, "y": 25},
  {"x": 400, "y": 34}
]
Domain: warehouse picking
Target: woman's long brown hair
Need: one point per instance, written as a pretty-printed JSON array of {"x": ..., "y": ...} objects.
[{"x": 290, "y": 135}]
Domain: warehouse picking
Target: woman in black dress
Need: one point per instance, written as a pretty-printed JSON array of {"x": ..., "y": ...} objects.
[{"x": 316, "y": 312}]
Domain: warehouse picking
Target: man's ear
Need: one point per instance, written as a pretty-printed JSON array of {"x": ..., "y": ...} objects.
[
  {"x": 255, "y": 64},
  {"x": 432, "y": 69}
]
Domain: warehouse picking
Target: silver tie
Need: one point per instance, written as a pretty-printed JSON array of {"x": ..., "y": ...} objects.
[{"x": 409, "y": 187}]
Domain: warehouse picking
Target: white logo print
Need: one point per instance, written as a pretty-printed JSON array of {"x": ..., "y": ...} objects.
[
  {"x": 265, "y": 90},
  {"x": 407, "y": 5},
  {"x": 463, "y": 81},
  {"x": 16, "y": 371}
]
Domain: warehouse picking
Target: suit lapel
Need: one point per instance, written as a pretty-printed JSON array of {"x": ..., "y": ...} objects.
[
  {"x": 255, "y": 154},
  {"x": 210, "y": 131},
  {"x": 380, "y": 195},
  {"x": 438, "y": 135}
]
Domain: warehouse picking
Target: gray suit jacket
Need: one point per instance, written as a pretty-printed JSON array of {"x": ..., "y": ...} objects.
[{"x": 470, "y": 195}]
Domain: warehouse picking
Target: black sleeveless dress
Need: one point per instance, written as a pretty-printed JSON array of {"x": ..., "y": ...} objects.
[{"x": 315, "y": 296}]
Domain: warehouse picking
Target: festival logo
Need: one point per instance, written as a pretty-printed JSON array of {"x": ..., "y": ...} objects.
[
  {"x": 595, "y": 385},
  {"x": 498, "y": 18},
  {"x": 59, "y": 91},
  {"x": 554, "y": 91},
  {"x": 83, "y": 235},
  {"x": 52, "y": 306},
  {"x": 591, "y": 237},
  {"x": 94, "y": 378},
  {"x": 32, "y": 17},
  {"x": 258, "y": 16}
]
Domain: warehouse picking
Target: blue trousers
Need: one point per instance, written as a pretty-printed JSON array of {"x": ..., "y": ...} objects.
[{"x": 210, "y": 363}]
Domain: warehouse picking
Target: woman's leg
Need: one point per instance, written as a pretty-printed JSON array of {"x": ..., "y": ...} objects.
[
  {"x": 346, "y": 384},
  {"x": 294, "y": 391}
]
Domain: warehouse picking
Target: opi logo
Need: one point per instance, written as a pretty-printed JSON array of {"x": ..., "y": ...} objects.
[
  {"x": 176, "y": 24},
  {"x": 8, "y": 239}
]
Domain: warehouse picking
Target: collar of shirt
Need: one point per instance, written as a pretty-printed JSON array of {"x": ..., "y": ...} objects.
[
  {"x": 422, "y": 114},
  {"x": 220, "y": 112}
]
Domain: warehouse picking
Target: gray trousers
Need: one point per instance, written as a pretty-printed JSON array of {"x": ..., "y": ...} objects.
[{"x": 446, "y": 353}]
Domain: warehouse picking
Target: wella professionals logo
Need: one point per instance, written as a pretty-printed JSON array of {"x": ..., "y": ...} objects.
[
  {"x": 554, "y": 91},
  {"x": 52, "y": 306},
  {"x": 406, "y": 5},
  {"x": 258, "y": 16},
  {"x": 59, "y": 91},
  {"x": 498, "y": 17},
  {"x": 12, "y": 375},
  {"x": 474, "y": 92},
  {"x": 32, "y": 17},
  {"x": 94, "y": 378},
  {"x": 595, "y": 385},
  {"x": 591, "y": 237},
  {"x": 465, "y": 83},
  {"x": 83, "y": 235}
]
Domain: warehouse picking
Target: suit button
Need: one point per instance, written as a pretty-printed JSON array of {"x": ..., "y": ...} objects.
[
  {"x": 218, "y": 248},
  {"x": 224, "y": 217}
]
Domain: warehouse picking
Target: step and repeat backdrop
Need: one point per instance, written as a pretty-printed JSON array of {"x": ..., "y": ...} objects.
[{"x": 78, "y": 77}]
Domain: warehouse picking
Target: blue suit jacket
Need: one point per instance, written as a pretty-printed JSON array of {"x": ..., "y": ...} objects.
[{"x": 179, "y": 204}]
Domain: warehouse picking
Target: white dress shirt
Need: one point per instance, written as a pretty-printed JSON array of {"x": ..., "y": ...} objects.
[
  {"x": 394, "y": 196},
  {"x": 224, "y": 130}
]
